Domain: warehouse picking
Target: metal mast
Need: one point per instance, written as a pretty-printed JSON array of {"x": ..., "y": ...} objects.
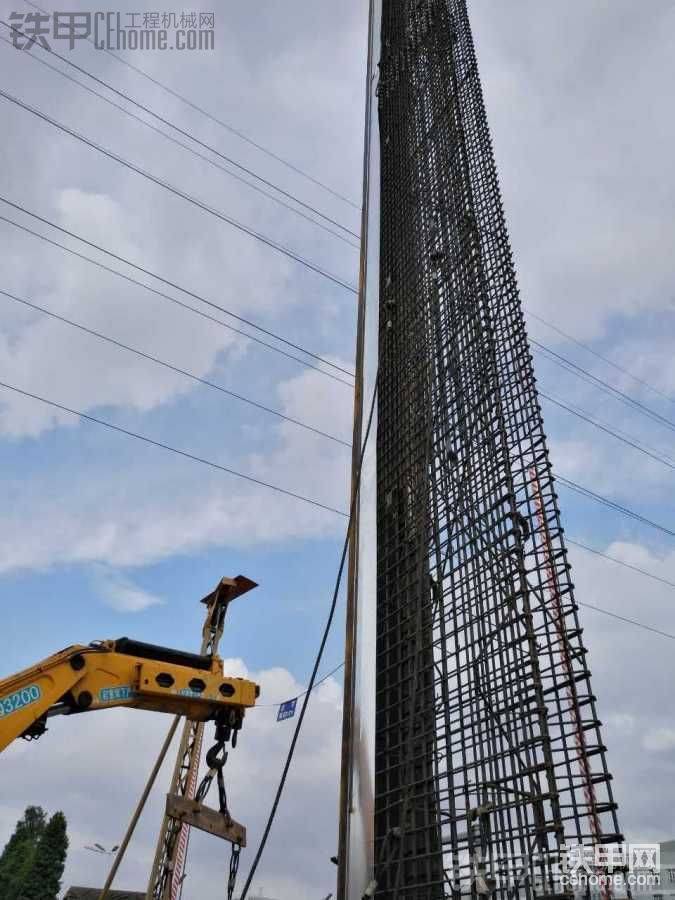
[
  {"x": 169, "y": 865},
  {"x": 487, "y": 756}
]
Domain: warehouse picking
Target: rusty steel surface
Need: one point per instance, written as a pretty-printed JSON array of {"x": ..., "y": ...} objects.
[
  {"x": 196, "y": 815},
  {"x": 487, "y": 754}
]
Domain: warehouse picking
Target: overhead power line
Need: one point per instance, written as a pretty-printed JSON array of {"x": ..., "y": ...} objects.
[
  {"x": 598, "y": 355},
  {"x": 560, "y": 360},
  {"x": 240, "y": 134},
  {"x": 611, "y": 504},
  {"x": 166, "y": 365},
  {"x": 177, "y": 128},
  {"x": 631, "y": 442},
  {"x": 317, "y": 684},
  {"x": 179, "y": 303},
  {"x": 195, "y": 201},
  {"x": 597, "y": 384},
  {"x": 171, "y": 284},
  {"x": 566, "y": 482},
  {"x": 194, "y": 458},
  {"x": 572, "y": 485},
  {"x": 196, "y": 153},
  {"x": 621, "y": 562},
  {"x": 606, "y": 612},
  {"x": 582, "y": 414},
  {"x": 169, "y": 448}
]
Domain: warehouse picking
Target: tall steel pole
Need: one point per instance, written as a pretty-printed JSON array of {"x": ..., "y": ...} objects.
[{"x": 348, "y": 723}]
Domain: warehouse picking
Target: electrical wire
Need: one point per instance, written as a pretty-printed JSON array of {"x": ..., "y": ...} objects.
[
  {"x": 562, "y": 360},
  {"x": 168, "y": 447},
  {"x": 606, "y": 612},
  {"x": 577, "y": 370},
  {"x": 599, "y": 356},
  {"x": 316, "y": 503},
  {"x": 317, "y": 684},
  {"x": 160, "y": 362},
  {"x": 621, "y": 562},
  {"x": 566, "y": 482},
  {"x": 217, "y": 121},
  {"x": 196, "y": 153},
  {"x": 611, "y": 504},
  {"x": 319, "y": 655},
  {"x": 592, "y": 381},
  {"x": 174, "y": 285},
  {"x": 184, "y": 133},
  {"x": 579, "y": 413},
  {"x": 631, "y": 442},
  {"x": 200, "y": 204}
]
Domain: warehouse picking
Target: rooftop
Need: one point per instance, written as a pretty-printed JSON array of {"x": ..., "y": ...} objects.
[{"x": 83, "y": 893}]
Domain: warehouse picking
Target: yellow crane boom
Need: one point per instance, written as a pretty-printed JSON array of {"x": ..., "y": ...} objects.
[{"x": 124, "y": 672}]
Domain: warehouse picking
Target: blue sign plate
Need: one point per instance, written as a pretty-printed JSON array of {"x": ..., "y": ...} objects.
[
  {"x": 19, "y": 699},
  {"x": 287, "y": 710},
  {"x": 115, "y": 694}
]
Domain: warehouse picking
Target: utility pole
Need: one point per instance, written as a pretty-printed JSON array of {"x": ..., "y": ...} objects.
[{"x": 169, "y": 865}]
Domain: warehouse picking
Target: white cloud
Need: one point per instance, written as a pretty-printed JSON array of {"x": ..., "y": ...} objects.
[
  {"x": 123, "y": 595},
  {"x": 123, "y": 515},
  {"x": 609, "y": 467},
  {"x": 82, "y": 371},
  {"x": 622, "y": 723},
  {"x": 632, "y": 676},
  {"x": 587, "y": 185},
  {"x": 650, "y": 358},
  {"x": 661, "y": 739}
]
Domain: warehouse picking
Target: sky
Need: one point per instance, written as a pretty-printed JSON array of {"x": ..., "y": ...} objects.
[{"x": 103, "y": 536}]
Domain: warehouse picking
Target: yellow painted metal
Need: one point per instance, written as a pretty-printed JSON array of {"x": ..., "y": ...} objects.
[{"x": 87, "y": 678}]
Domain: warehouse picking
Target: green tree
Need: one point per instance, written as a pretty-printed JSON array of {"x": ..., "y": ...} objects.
[
  {"x": 19, "y": 853},
  {"x": 43, "y": 881}
]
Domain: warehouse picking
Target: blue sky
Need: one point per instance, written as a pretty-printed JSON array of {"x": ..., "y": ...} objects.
[{"x": 102, "y": 536}]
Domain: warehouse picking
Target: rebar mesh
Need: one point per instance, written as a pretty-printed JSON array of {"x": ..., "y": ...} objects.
[{"x": 489, "y": 755}]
